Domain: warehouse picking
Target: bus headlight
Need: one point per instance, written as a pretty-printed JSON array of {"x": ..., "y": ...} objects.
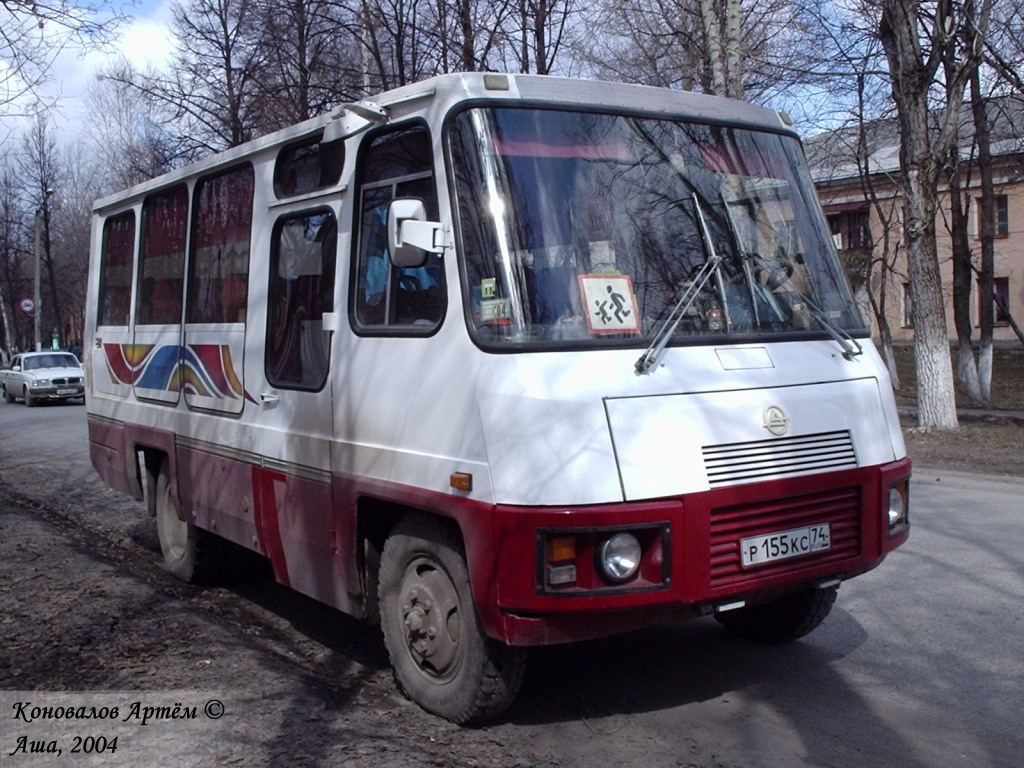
[
  {"x": 897, "y": 512},
  {"x": 618, "y": 557}
]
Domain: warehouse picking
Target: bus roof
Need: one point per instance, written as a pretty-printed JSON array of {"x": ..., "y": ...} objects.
[{"x": 445, "y": 91}]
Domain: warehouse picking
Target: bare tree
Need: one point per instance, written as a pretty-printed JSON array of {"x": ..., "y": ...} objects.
[
  {"x": 14, "y": 254},
  {"x": 33, "y": 33},
  {"x": 127, "y": 137},
  {"x": 40, "y": 175},
  {"x": 1004, "y": 45},
  {"x": 885, "y": 249},
  {"x": 655, "y": 43},
  {"x": 543, "y": 27},
  {"x": 915, "y": 41},
  {"x": 310, "y": 60},
  {"x": 469, "y": 35},
  {"x": 759, "y": 51},
  {"x": 720, "y": 20},
  {"x": 986, "y": 273},
  {"x": 212, "y": 92},
  {"x": 391, "y": 35},
  {"x": 80, "y": 182}
]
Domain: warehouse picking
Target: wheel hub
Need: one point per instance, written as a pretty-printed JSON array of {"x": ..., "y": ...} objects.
[{"x": 430, "y": 615}]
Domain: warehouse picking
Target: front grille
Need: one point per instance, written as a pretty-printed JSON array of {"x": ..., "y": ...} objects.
[
  {"x": 840, "y": 508},
  {"x": 68, "y": 380},
  {"x": 762, "y": 459}
]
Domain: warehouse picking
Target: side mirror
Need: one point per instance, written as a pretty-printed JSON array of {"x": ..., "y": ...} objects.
[{"x": 410, "y": 236}]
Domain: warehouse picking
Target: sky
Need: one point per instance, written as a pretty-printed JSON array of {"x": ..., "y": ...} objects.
[{"x": 144, "y": 40}]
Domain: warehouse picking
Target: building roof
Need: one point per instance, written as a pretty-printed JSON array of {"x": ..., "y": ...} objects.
[{"x": 833, "y": 155}]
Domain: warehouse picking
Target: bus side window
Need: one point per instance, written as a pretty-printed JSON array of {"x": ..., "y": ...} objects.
[
  {"x": 397, "y": 163},
  {"x": 308, "y": 165},
  {"x": 300, "y": 292},
  {"x": 162, "y": 260},
  {"x": 116, "y": 261},
  {"x": 221, "y": 233}
]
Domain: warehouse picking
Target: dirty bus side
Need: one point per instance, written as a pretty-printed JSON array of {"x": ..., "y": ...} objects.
[{"x": 500, "y": 361}]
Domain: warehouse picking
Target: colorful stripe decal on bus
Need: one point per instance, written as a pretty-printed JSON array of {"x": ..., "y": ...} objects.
[{"x": 205, "y": 370}]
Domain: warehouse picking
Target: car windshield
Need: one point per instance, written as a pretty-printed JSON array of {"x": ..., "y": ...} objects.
[
  {"x": 38, "y": 362},
  {"x": 580, "y": 228}
]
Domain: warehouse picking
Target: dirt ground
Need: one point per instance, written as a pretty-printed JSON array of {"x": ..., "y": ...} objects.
[
  {"x": 987, "y": 446},
  {"x": 991, "y": 436},
  {"x": 85, "y": 606}
]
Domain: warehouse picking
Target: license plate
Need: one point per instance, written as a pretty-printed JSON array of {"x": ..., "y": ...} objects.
[
  {"x": 756, "y": 550},
  {"x": 66, "y": 391}
]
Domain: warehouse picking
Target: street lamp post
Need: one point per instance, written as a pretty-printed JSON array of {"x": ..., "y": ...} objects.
[{"x": 37, "y": 298}]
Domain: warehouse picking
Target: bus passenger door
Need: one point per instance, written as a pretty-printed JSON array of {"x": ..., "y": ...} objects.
[
  {"x": 211, "y": 358},
  {"x": 109, "y": 351},
  {"x": 153, "y": 354},
  {"x": 293, "y": 491}
]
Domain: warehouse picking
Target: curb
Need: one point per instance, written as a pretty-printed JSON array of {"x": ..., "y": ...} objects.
[{"x": 972, "y": 414}]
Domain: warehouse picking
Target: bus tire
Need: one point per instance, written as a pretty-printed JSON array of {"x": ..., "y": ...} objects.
[
  {"x": 441, "y": 658},
  {"x": 193, "y": 555},
  {"x": 781, "y": 621}
]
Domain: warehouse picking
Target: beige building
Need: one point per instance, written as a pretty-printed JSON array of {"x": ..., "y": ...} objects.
[{"x": 866, "y": 232}]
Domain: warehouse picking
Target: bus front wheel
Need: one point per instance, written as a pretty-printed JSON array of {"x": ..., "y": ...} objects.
[
  {"x": 781, "y": 621},
  {"x": 190, "y": 553},
  {"x": 441, "y": 658}
]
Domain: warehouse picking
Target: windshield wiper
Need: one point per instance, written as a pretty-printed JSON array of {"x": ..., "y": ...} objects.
[
  {"x": 652, "y": 355},
  {"x": 851, "y": 347}
]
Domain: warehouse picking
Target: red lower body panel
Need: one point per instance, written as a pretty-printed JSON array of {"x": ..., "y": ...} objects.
[
  {"x": 697, "y": 552},
  {"x": 527, "y": 590}
]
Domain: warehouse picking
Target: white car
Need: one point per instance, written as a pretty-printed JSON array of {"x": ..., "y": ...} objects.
[{"x": 36, "y": 377}]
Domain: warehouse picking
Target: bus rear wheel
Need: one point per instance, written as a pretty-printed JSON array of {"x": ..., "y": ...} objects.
[
  {"x": 190, "y": 553},
  {"x": 781, "y": 621},
  {"x": 440, "y": 656}
]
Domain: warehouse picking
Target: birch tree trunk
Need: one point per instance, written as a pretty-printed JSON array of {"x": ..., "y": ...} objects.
[
  {"x": 913, "y": 64},
  {"x": 721, "y": 24},
  {"x": 936, "y": 397},
  {"x": 963, "y": 274},
  {"x": 986, "y": 276}
]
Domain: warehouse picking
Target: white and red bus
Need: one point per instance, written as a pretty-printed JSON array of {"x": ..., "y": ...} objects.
[{"x": 500, "y": 361}]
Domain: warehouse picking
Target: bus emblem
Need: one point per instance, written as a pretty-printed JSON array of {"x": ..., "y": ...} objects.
[{"x": 775, "y": 420}]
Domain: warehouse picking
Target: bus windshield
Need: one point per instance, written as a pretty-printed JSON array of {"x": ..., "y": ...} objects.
[{"x": 580, "y": 228}]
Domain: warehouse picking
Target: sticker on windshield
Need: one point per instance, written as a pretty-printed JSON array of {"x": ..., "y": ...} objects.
[{"x": 610, "y": 303}]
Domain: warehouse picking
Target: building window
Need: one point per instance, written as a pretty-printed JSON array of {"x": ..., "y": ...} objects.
[
  {"x": 851, "y": 230},
  {"x": 908, "y": 307},
  {"x": 1000, "y": 301},
  {"x": 1002, "y": 216}
]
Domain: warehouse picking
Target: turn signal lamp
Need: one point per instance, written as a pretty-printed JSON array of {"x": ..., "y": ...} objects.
[
  {"x": 561, "y": 554},
  {"x": 561, "y": 549},
  {"x": 461, "y": 481}
]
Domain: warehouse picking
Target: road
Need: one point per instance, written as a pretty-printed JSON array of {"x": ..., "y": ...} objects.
[{"x": 919, "y": 665}]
